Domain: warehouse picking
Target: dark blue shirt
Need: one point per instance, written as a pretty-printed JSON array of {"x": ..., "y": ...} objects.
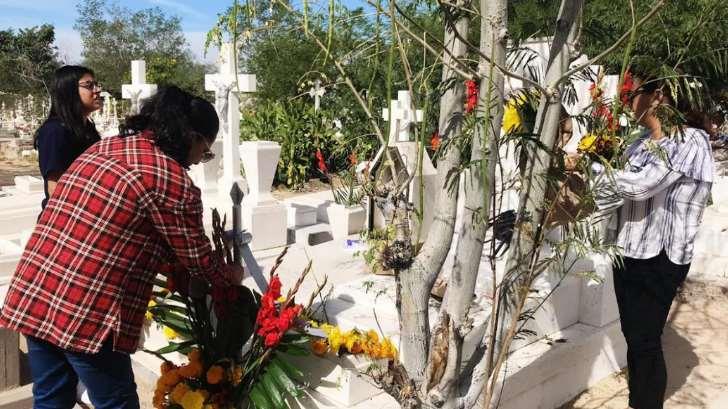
[{"x": 57, "y": 149}]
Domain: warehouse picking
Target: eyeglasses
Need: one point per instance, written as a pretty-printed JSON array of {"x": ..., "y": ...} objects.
[
  {"x": 90, "y": 85},
  {"x": 207, "y": 155}
]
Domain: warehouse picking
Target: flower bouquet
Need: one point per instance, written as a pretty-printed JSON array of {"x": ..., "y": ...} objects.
[{"x": 237, "y": 342}]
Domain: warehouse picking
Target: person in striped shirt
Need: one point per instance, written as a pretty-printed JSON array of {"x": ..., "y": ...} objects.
[{"x": 660, "y": 196}]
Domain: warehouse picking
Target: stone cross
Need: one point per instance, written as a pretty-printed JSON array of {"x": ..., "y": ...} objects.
[
  {"x": 316, "y": 93},
  {"x": 227, "y": 84},
  {"x": 403, "y": 115},
  {"x": 138, "y": 89}
]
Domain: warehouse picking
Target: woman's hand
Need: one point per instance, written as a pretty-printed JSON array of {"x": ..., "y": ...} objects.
[{"x": 571, "y": 161}]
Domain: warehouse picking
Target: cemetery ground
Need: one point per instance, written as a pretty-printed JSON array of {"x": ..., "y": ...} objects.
[{"x": 18, "y": 167}]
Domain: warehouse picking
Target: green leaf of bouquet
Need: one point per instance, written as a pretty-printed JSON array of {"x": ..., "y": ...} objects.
[
  {"x": 295, "y": 339},
  {"x": 281, "y": 378},
  {"x": 294, "y": 350},
  {"x": 273, "y": 393},
  {"x": 259, "y": 398},
  {"x": 289, "y": 369},
  {"x": 175, "y": 347},
  {"x": 168, "y": 308}
]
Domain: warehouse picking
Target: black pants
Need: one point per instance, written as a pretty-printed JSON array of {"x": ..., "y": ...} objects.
[{"x": 645, "y": 290}]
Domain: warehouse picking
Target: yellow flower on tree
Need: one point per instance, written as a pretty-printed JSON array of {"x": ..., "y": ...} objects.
[{"x": 512, "y": 121}]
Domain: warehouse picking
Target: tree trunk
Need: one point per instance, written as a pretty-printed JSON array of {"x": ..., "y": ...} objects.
[
  {"x": 415, "y": 283},
  {"x": 479, "y": 187}
]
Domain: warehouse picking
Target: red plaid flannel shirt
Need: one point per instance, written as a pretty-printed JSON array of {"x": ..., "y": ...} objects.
[{"x": 119, "y": 212}]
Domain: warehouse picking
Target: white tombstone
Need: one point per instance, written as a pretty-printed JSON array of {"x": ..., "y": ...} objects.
[
  {"x": 227, "y": 84},
  {"x": 138, "y": 89},
  {"x": 403, "y": 116},
  {"x": 263, "y": 216}
]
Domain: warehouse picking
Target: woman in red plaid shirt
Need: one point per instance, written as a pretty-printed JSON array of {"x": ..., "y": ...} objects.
[{"x": 121, "y": 210}]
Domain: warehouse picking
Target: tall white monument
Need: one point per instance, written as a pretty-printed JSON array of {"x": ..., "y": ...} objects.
[
  {"x": 227, "y": 84},
  {"x": 138, "y": 89}
]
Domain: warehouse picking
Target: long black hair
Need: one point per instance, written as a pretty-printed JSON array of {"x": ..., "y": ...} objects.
[
  {"x": 67, "y": 108},
  {"x": 177, "y": 119}
]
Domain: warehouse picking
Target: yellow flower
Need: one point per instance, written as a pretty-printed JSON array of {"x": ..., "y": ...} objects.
[
  {"x": 148, "y": 314},
  {"x": 372, "y": 336},
  {"x": 179, "y": 392},
  {"x": 192, "y": 400},
  {"x": 350, "y": 339},
  {"x": 336, "y": 339},
  {"x": 588, "y": 143},
  {"x": 169, "y": 333},
  {"x": 388, "y": 350},
  {"x": 512, "y": 121},
  {"x": 281, "y": 299}
]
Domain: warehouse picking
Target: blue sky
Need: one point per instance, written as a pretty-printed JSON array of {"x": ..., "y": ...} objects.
[{"x": 197, "y": 17}]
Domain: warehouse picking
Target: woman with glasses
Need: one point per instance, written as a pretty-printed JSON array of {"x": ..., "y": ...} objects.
[
  {"x": 122, "y": 212},
  {"x": 68, "y": 130}
]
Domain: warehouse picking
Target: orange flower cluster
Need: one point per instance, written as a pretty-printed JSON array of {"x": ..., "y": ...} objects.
[
  {"x": 173, "y": 387},
  {"x": 354, "y": 342}
]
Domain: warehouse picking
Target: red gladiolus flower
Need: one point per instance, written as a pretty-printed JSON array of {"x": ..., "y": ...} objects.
[
  {"x": 321, "y": 162},
  {"x": 435, "y": 140},
  {"x": 471, "y": 95},
  {"x": 272, "y": 324},
  {"x": 353, "y": 160}
]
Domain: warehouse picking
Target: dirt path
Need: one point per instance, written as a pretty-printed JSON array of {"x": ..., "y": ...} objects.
[
  {"x": 696, "y": 351},
  {"x": 12, "y": 168}
]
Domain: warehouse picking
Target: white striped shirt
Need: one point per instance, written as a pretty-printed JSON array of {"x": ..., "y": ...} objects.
[{"x": 662, "y": 197}]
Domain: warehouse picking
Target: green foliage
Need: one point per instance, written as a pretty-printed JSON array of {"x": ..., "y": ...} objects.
[
  {"x": 376, "y": 241},
  {"x": 346, "y": 193},
  {"x": 114, "y": 35},
  {"x": 301, "y": 131},
  {"x": 27, "y": 60}
]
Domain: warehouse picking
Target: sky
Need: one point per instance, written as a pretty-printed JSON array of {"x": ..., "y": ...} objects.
[{"x": 197, "y": 17}]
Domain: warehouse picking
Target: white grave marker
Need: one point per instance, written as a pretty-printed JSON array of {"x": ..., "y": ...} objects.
[
  {"x": 403, "y": 116},
  {"x": 227, "y": 84},
  {"x": 138, "y": 89},
  {"x": 316, "y": 92}
]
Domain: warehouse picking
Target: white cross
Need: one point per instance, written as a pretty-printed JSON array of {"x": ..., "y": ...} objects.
[
  {"x": 316, "y": 93},
  {"x": 138, "y": 89},
  {"x": 403, "y": 115},
  {"x": 227, "y": 83}
]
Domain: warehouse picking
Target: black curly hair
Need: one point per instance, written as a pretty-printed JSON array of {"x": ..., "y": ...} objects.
[{"x": 177, "y": 119}]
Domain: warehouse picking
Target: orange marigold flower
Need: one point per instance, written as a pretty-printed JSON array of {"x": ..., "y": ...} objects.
[
  {"x": 237, "y": 375},
  {"x": 319, "y": 347},
  {"x": 170, "y": 379},
  {"x": 167, "y": 366},
  {"x": 215, "y": 374},
  {"x": 356, "y": 348},
  {"x": 192, "y": 370},
  {"x": 194, "y": 355}
]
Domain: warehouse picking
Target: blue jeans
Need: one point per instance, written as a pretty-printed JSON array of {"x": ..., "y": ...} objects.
[{"x": 107, "y": 375}]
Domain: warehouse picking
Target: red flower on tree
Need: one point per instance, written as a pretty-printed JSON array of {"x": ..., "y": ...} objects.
[
  {"x": 353, "y": 160},
  {"x": 272, "y": 324},
  {"x": 471, "y": 96},
  {"x": 435, "y": 140},
  {"x": 321, "y": 162},
  {"x": 627, "y": 88}
]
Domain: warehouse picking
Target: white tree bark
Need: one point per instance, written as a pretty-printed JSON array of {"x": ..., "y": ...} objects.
[{"x": 416, "y": 282}]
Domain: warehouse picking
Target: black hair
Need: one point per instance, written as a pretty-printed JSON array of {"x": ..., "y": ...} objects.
[
  {"x": 175, "y": 117},
  {"x": 67, "y": 108},
  {"x": 690, "y": 110}
]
